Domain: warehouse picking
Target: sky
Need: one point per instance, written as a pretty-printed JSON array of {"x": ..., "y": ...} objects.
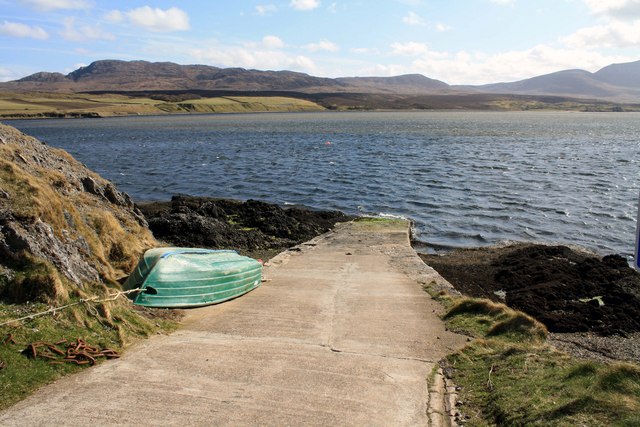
[{"x": 456, "y": 41}]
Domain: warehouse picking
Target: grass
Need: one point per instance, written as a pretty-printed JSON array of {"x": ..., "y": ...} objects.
[
  {"x": 34, "y": 104},
  {"x": 380, "y": 224},
  {"x": 533, "y": 105},
  {"x": 47, "y": 203},
  {"x": 106, "y": 325},
  {"x": 509, "y": 376}
]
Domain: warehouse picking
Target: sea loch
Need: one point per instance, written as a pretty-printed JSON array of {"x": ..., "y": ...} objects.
[{"x": 465, "y": 178}]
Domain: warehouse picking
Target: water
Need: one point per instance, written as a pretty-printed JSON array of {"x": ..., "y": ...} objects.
[{"x": 466, "y": 179}]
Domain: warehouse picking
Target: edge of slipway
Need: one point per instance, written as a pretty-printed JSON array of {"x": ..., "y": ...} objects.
[
  {"x": 443, "y": 395},
  {"x": 341, "y": 331}
]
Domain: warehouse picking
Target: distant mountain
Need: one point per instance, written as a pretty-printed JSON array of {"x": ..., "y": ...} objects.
[
  {"x": 44, "y": 77},
  {"x": 415, "y": 83},
  {"x": 142, "y": 75},
  {"x": 614, "y": 83},
  {"x": 625, "y": 75}
]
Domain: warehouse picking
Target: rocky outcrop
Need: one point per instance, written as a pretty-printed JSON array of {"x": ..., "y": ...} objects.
[
  {"x": 253, "y": 227},
  {"x": 62, "y": 226}
]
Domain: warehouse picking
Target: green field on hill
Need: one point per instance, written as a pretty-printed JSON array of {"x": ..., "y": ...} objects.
[{"x": 25, "y": 105}]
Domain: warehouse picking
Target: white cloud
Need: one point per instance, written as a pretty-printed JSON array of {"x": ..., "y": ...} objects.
[
  {"x": 47, "y": 5},
  {"x": 333, "y": 8},
  {"x": 619, "y": 27},
  {"x": 77, "y": 65},
  {"x": 413, "y": 18},
  {"x": 158, "y": 20},
  {"x": 383, "y": 70},
  {"x": 613, "y": 34},
  {"x": 478, "y": 68},
  {"x": 16, "y": 29},
  {"x": 322, "y": 45},
  {"x": 620, "y": 9},
  {"x": 83, "y": 33},
  {"x": 272, "y": 42},
  {"x": 7, "y": 75},
  {"x": 467, "y": 67},
  {"x": 442, "y": 27},
  {"x": 364, "y": 51},
  {"x": 304, "y": 63},
  {"x": 503, "y": 2},
  {"x": 305, "y": 4},
  {"x": 114, "y": 16},
  {"x": 266, "y": 9},
  {"x": 409, "y": 48},
  {"x": 234, "y": 56},
  {"x": 268, "y": 42}
]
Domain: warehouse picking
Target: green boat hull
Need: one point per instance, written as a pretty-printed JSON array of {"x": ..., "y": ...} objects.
[{"x": 185, "y": 277}]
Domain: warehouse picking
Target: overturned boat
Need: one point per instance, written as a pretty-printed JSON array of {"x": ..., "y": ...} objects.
[{"x": 188, "y": 277}]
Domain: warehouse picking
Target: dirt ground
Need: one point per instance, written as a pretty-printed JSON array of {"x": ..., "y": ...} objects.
[{"x": 567, "y": 290}]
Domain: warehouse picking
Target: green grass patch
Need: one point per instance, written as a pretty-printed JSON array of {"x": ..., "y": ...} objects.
[
  {"x": 381, "y": 223},
  {"x": 106, "y": 325},
  {"x": 509, "y": 376},
  {"x": 34, "y": 104},
  {"x": 520, "y": 385},
  {"x": 239, "y": 104}
]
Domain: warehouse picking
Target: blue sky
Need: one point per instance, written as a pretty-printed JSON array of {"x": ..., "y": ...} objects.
[{"x": 457, "y": 41}]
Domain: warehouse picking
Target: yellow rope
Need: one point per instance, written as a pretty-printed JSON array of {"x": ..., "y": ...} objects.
[{"x": 111, "y": 297}]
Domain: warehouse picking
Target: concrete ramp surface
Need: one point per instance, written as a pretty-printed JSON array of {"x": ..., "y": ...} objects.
[{"x": 341, "y": 333}]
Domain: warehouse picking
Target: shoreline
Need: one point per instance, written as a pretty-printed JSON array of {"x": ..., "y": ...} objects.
[
  {"x": 589, "y": 303},
  {"x": 26, "y": 105},
  {"x": 96, "y": 115},
  {"x": 584, "y": 277}
]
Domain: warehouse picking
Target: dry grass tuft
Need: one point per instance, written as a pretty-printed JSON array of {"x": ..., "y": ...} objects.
[
  {"x": 43, "y": 185},
  {"x": 485, "y": 318}
]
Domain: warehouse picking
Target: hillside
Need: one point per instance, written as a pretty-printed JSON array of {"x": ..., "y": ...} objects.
[
  {"x": 109, "y": 75},
  {"x": 625, "y": 75},
  {"x": 408, "y": 83},
  {"x": 141, "y": 87},
  {"x": 617, "y": 82}
]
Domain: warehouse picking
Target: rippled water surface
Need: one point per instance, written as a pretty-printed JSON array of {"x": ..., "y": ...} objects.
[{"x": 466, "y": 179}]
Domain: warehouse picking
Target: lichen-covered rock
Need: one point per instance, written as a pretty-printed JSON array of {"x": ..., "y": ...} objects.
[{"x": 54, "y": 212}]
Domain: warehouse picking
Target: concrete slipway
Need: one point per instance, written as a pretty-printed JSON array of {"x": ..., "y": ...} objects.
[{"x": 340, "y": 334}]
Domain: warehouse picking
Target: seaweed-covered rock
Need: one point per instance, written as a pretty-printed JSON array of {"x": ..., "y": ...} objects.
[
  {"x": 253, "y": 227},
  {"x": 566, "y": 289}
]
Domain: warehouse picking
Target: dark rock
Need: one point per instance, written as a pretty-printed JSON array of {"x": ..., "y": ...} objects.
[
  {"x": 38, "y": 239},
  {"x": 253, "y": 227},
  {"x": 90, "y": 186},
  {"x": 559, "y": 286}
]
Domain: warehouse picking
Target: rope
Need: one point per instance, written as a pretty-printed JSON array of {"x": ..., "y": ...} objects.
[{"x": 110, "y": 297}]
